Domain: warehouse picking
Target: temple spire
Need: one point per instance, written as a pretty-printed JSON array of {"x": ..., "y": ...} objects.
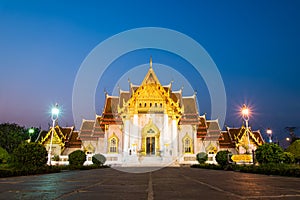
[{"x": 150, "y": 76}]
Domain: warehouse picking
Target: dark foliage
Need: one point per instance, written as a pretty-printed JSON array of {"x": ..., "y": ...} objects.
[
  {"x": 11, "y": 135},
  {"x": 30, "y": 155}
]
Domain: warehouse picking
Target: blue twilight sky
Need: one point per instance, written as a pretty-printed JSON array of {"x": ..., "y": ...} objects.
[{"x": 255, "y": 45}]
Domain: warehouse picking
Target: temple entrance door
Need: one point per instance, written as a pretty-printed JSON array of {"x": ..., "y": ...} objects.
[{"x": 150, "y": 145}]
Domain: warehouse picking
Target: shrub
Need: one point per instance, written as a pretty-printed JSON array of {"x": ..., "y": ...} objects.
[
  {"x": 98, "y": 159},
  {"x": 55, "y": 158},
  {"x": 30, "y": 155},
  {"x": 202, "y": 157},
  {"x": 269, "y": 153},
  {"x": 77, "y": 158},
  {"x": 222, "y": 158}
]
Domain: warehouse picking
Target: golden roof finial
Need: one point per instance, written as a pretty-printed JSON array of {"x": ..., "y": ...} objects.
[{"x": 150, "y": 62}]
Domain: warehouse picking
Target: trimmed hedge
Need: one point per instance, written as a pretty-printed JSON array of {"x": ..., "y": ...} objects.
[
  {"x": 28, "y": 171},
  {"x": 8, "y": 172},
  {"x": 267, "y": 169}
]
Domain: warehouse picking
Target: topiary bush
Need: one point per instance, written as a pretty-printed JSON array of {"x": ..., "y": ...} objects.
[
  {"x": 269, "y": 153},
  {"x": 99, "y": 159},
  {"x": 202, "y": 157},
  {"x": 222, "y": 158},
  {"x": 30, "y": 155},
  {"x": 77, "y": 158}
]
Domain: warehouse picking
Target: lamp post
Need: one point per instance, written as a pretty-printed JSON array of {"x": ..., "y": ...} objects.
[
  {"x": 54, "y": 116},
  {"x": 245, "y": 115},
  {"x": 269, "y": 133}
]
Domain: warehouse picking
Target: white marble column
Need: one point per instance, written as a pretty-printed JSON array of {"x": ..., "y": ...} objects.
[
  {"x": 174, "y": 138},
  {"x": 126, "y": 144},
  {"x": 166, "y": 134},
  {"x": 135, "y": 132},
  {"x": 106, "y": 132},
  {"x": 195, "y": 148}
]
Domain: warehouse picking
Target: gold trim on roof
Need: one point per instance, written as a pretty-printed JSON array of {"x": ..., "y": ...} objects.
[{"x": 151, "y": 97}]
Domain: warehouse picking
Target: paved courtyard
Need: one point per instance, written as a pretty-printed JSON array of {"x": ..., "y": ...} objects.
[{"x": 167, "y": 183}]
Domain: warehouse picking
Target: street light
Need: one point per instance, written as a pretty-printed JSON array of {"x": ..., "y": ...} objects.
[
  {"x": 54, "y": 117},
  {"x": 245, "y": 114},
  {"x": 269, "y": 133}
]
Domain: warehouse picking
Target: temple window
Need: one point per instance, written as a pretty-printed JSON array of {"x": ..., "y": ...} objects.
[
  {"x": 150, "y": 104},
  {"x": 113, "y": 144},
  {"x": 160, "y": 104},
  {"x": 187, "y": 144},
  {"x": 140, "y": 105},
  {"x": 155, "y": 104},
  {"x": 145, "y": 105}
]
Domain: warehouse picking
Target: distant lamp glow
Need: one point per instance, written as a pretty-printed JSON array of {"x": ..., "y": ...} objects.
[
  {"x": 30, "y": 131},
  {"x": 287, "y": 139},
  {"x": 54, "y": 117},
  {"x": 269, "y": 133}
]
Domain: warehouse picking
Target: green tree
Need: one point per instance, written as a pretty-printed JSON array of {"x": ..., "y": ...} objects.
[
  {"x": 222, "y": 158},
  {"x": 77, "y": 158},
  {"x": 269, "y": 153},
  {"x": 30, "y": 155},
  {"x": 294, "y": 148},
  {"x": 98, "y": 159},
  {"x": 202, "y": 157},
  {"x": 11, "y": 135},
  {"x": 4, "y": 156},
  {"x": 288, "y": 158}
]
